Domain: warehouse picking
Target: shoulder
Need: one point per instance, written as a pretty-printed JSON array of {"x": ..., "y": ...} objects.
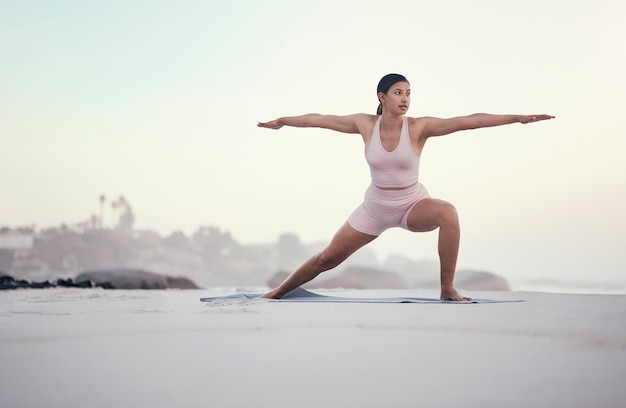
[
  {"x": 365, "y": 123},
  {"x": 417, "y": 125},
  {"x": 365, "y": 118},
  {"x": 418, "y": 121},
  {"x": 368, "y": 120},
  {"x": 417, "y": 132}
]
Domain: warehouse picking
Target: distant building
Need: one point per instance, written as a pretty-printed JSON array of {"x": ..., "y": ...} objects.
[
  {"x": 15, "y": 249},
  {"x": 16, "y": 240}
]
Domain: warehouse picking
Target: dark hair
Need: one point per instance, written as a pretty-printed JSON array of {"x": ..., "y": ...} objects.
[{"x": 384, "y": 84}]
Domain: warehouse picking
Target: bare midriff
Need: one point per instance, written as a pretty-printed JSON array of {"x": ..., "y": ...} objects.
[{"x": 396, "y": 188}]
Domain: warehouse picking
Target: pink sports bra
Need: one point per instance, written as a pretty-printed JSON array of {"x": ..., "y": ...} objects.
[{"x": 399, "y": 168}]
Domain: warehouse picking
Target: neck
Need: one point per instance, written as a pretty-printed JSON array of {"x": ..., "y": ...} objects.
[{"x": 390, "y": 120}]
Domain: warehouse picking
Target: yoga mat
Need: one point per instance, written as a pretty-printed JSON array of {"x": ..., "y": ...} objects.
[{"x": 303, "y": 295}]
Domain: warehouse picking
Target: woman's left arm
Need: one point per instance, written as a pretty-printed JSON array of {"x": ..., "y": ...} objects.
[{"x": 440, "y": 127}]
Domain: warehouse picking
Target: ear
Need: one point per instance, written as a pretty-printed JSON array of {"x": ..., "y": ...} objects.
[{"x": 381, "y": 97}]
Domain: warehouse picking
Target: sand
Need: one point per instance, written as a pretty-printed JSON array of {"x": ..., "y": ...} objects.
[{"x": 115, "y": 348}]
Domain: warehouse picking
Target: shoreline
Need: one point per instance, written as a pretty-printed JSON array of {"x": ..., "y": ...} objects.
[{"x": 71, "y": 347}]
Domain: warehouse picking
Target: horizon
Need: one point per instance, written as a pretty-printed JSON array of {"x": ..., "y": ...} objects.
[{"x": 541, "y": 284}]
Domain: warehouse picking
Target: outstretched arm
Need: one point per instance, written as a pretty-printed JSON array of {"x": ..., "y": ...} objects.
[
  {"x": 440, "y": 127},
  {"x": 345, "y": 124}
]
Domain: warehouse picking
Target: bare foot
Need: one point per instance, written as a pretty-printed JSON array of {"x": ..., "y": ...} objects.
[
  {"x": 453, "y": 294},
  {"x": 271, "y": 295}
]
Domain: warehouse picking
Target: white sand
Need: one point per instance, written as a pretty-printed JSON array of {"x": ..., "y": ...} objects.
[{"x": 98, "y": 348}]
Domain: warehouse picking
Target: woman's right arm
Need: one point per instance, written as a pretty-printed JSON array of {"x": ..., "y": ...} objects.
[{"x": 345, "y": 124}]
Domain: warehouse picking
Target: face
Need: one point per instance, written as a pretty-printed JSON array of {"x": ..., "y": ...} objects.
[{"x": 398, "y": 99}]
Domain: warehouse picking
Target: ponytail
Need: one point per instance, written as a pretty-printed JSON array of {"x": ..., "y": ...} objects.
[{"x": 379, "y": 111}]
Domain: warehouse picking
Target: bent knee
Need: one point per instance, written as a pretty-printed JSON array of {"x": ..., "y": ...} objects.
[{"x": 447, "y": 213}]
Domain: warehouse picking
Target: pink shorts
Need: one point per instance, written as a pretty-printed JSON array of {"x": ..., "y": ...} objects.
[{"x": 384, "y": 209}]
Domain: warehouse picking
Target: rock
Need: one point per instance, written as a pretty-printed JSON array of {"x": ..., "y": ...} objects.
[
  {"x": 69, "y": 283},
  {"x": 410, "y": 269},
  {"x": 480, "y": 280},
  {"x": 134, "y": 279},
  {"x": 468, "y": 279},
  {"x": 8, "y": 282},
  {"x": 363, "y": 277},
  {"x": 180, "y": 282}
]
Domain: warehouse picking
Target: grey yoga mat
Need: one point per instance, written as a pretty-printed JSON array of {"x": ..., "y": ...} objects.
[{"x": 303, "y": 295}]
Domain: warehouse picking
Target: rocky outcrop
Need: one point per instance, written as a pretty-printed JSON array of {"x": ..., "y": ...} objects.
[
  {"x": 8, "y": 282},
  {"x": 109, "y": 279},
  {"x": 467, "y": 279},
  {"x": 135, "y": 279},
  {"x": 480, "y": 280},
  {"x": 363, "y": 277}
]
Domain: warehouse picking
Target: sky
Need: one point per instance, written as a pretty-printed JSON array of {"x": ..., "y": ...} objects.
[{"x": 158, "y": 101}]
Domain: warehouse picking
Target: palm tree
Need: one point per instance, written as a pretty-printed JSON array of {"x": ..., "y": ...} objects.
[
  {"x": 126, "y": 218},
  {"x": 102, "y": 199},
  {"x": 114, "y": 207}
]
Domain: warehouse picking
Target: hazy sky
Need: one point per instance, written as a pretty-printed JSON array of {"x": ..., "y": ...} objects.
[{"x": 158, "y": 101}]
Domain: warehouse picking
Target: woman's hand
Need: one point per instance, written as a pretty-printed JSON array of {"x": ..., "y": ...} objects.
[
  {"x": 534, "y": 118},
  {"x": 272, "y": 124}
]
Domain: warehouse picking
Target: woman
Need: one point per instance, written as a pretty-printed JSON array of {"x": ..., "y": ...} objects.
[{"x": 396, "y": 198}]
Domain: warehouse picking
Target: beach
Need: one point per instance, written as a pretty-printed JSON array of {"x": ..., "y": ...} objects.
[{"x": 164, "y": 348}]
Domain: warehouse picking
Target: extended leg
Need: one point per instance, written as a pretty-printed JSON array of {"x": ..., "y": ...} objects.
[
  {"x": 345, "y": 242},
  {"x": 429, "y": 214}
]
